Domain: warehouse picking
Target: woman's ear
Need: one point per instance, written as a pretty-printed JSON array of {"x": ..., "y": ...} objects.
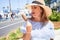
[{"x": 41, "y": 11}]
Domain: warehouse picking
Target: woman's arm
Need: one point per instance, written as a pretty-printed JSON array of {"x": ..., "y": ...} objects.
[{"x": 27, "y": 36}]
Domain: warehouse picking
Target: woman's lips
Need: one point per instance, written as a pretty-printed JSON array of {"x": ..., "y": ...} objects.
[{"x": 32, "y": 13}]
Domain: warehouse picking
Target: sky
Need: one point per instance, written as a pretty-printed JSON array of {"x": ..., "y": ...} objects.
[{"x": 14, "y": 3}]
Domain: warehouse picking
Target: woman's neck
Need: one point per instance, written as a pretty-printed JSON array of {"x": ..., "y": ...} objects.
[{"x": 36, "y": 19}]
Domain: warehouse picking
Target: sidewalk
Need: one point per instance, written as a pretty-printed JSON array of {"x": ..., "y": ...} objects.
[{"x": 57, "y": 34}]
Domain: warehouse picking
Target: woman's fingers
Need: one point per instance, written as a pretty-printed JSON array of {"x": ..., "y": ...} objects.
[{"x": 24, "y": 17}]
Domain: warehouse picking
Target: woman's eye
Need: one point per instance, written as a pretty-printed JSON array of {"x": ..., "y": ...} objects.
[{"x": 35, "y": 7}]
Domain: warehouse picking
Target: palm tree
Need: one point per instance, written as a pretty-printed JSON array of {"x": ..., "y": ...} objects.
[{"x": 10, "y": 5}]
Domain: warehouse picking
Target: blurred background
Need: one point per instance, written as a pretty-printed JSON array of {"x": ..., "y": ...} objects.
[
  {"x": 14, "y": 7},
  {"x": 10, "y": 16}
]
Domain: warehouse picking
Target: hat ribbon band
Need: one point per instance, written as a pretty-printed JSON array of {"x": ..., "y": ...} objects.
[{"x": 36, "y": 2}]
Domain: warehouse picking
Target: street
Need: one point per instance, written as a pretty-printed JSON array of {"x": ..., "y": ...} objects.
[{"x": 7, "y": 26}]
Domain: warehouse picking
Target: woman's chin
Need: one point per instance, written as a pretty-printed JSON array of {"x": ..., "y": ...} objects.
[{"x": 35, "y": 16}]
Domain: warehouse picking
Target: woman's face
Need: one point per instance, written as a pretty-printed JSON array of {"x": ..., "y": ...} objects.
[{"x": 36, "y": 11}]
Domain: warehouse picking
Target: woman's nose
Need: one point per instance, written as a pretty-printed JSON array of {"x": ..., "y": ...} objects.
[{"x": 33, "y": 10}]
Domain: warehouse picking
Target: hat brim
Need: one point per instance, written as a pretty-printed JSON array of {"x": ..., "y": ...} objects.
[{"x": 47, "y": 10}]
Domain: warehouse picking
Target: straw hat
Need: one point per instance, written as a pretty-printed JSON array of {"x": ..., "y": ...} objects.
[{"x": 40, "y": 3}]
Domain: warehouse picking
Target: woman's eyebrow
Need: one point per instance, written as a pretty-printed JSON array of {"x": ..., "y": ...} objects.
[{"x": 35, "y": 5}]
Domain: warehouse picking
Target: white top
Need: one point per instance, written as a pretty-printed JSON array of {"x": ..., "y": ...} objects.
[{"x": 38, "y": 32}]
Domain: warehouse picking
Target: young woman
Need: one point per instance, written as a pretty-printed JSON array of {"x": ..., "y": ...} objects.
[{"x": 40, "y": 27}]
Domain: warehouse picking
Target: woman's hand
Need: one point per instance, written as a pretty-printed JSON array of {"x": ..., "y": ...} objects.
[
  {"x": 28, "y": 25},
  {"x": 24, "y": 16}
]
